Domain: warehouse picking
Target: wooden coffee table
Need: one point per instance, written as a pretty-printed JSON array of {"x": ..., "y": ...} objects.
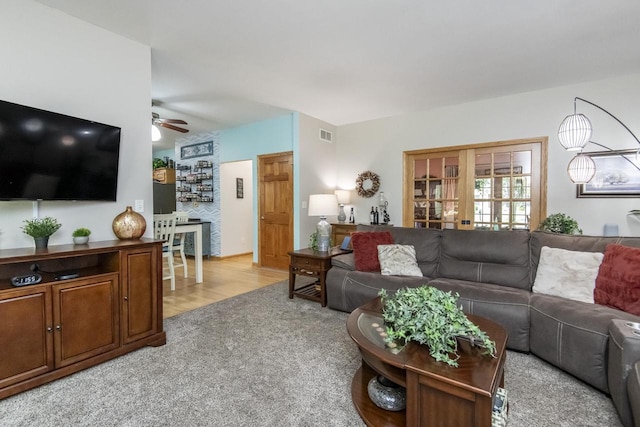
[{"x": 437, "y": 394}]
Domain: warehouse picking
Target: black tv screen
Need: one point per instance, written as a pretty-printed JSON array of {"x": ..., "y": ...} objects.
[{"x": 51, "y": 156}]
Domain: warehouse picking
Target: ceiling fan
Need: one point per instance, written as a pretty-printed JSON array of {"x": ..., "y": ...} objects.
[{"x": 168, "y": 123}]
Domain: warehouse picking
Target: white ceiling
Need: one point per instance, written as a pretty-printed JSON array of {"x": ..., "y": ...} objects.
[{"x": 220, "y": 64}]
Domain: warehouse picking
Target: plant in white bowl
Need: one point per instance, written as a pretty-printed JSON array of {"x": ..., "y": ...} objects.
[{"x": 81, "y": 236}]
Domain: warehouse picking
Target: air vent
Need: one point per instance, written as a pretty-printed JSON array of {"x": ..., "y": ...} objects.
[{"x": 325, "y": 135}]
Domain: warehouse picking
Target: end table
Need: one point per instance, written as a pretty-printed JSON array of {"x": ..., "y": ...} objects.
[{"x": 308, "y": 262}]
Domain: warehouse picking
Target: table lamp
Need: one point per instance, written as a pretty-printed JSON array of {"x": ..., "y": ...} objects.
[
  {"x": 323, "y": 205},
  {"x": 344, "y": 198}
]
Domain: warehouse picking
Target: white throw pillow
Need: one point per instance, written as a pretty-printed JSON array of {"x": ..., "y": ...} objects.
[
  {"x": 398, "y": 260},
  {"x": 567, "y": 274}
]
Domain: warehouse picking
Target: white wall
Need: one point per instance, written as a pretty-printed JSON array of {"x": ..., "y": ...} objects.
[
  {"x": 56, "y": 62},
  {"x": 317, "y": 170},
  {"x": 236, "y": 214},
  {"x": 378, "y": 145}
]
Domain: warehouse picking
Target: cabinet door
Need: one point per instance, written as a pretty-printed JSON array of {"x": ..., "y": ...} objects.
[
  {"x": 85, "y": 314},
  {"x": 141, "y": 281},
  {"x": 26, "y": 340}
]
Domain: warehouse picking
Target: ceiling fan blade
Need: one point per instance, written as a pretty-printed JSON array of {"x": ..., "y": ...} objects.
[
  {"x": 175, "y": 121},
  {"x": 172, "y": 127}
]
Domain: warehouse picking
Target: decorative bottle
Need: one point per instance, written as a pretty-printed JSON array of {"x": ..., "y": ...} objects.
[
  {"x": 376, "y": 217},
  {"x": 372, "y": 216},
  {"x": 352, "y": 219}
]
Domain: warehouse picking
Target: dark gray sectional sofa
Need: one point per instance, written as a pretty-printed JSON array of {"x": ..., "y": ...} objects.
[{"x": 493, "y": 272}]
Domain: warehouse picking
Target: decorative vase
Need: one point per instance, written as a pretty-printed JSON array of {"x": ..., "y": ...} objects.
[
  {"x": 80, "y": 240},
  {"x": 129, "y": 225},
  {"x": 386, "y": 394},
  {"x": 41, "y": 242}
]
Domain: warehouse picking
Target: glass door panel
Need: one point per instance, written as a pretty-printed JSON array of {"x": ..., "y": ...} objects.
[{"x": 502, "y": 194}]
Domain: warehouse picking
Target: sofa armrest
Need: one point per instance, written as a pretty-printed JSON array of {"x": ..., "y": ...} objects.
[
  {"x": 624, "y": 352},
  {"x": 346, "y": 261}
]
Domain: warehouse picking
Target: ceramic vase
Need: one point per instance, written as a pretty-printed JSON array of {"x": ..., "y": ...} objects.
[
  {"x": 387, "y": 394},
  {"x": 129, "y": 225}
]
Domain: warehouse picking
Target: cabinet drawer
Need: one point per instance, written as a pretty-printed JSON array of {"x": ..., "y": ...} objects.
[{"x": 308, "y": 263}]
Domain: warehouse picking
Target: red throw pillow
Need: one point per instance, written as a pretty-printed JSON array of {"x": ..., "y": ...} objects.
[
  {"x": 365, "y": 248},
  {"x": 618, "y": 281}
]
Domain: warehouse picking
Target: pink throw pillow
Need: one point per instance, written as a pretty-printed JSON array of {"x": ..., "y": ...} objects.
[
  {"x": 365, "y": 248},
  {"x": 618, "y": 281}
]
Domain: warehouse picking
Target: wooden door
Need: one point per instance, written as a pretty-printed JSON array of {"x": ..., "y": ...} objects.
[
  {"x": 275, "y": 229},
  {"x": 140, "y": 308},
  {"x": 26, "y": 340},
  {"x": 85, "y": 314}
]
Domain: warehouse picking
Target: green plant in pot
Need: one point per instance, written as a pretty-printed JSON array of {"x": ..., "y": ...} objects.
[
  {"x": 41, "y": 229},
  {"x": 81, "y": 235},
  {"x": 432, "y": 317},
  {"x": 560, "y": 223}
]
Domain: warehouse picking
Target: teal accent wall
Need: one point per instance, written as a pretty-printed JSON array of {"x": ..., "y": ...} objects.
[{"x": 247, "y": 142}]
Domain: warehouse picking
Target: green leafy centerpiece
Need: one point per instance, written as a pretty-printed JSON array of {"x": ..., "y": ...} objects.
[{"x": 430, "y": 316}]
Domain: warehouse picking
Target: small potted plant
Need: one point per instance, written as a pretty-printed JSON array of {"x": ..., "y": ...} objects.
[
  {"x": 81, "y": 236},
  {"x": 41, "y": 229},
  {"x": 560, "y": 223}
]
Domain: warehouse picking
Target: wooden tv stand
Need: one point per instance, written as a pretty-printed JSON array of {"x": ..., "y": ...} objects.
[{"x": 58, "y": 327}]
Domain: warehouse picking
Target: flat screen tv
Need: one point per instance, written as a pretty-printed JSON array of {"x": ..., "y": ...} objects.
[{"x": 51, "y": 156}]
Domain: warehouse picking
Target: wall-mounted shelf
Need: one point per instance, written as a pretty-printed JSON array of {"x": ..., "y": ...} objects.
[{"x": 195, "y": 183}]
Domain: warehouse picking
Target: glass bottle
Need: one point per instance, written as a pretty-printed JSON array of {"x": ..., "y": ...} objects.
[{"x": 352, "y": 218}]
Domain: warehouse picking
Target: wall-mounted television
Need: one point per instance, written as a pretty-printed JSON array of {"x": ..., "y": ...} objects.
[{"x": 50, "y": 156}]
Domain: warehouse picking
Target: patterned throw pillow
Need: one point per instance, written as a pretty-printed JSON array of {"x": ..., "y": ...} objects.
[
  {"x": 365, "y": 248},
  {"x": 567, "y": 274},
  {"x": 618, "y": 281},
  {"x": 398, "y": 260}
]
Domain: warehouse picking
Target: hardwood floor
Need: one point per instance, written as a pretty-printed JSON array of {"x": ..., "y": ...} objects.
[{"x": 222, "y": 279}]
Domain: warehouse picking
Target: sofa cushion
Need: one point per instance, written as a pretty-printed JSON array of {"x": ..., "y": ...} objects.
[
  {"x": 348, "y": 290},
  {"x": 365, "y": 248},
  {"x": 573, "y": 243},
  {"x": 509, "y": 307},
  {"x": 618, "y": 282},
  {"x": 567, "y": 274},
  {"x": 496, "y": 257},
  {"x": 426, "y": 242},
  {"x": 573, "y": 335},
  {"x": 398, "y": 260}
]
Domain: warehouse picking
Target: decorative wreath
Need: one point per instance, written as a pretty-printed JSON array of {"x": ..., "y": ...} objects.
[{"x": 362, "y": 179}]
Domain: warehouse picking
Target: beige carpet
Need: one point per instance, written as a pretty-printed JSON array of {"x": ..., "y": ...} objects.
[{"x": 260, "y": 359}]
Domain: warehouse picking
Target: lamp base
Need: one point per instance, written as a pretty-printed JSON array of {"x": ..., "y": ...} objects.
[
  {"x": 342, "y": 216},
  {"x": 324, "y": 235}
]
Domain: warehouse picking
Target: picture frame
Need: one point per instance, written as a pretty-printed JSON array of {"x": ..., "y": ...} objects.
[
  {"x": 239, "y": 188},
  {"x": 196, "y": 150},
  {"x": 616, "y": 176}
]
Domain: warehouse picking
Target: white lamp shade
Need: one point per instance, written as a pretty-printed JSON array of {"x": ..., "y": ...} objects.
[
  {"x": 344, "y": 196},
  {"x": 574, "y": 132},
  {"x": 581, "y": 169},
  {"x": 155, "y": 133},
  {"x": 323, "y": 205}
]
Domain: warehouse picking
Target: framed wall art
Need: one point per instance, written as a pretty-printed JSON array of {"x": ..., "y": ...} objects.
[
  {"x": 196, "y": 150},
  {"x": 616, "y": 175}
]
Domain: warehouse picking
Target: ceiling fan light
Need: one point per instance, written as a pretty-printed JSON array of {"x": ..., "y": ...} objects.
[
  {"x": 574, "y": 132},
  {"x": 155, "y": 133},
  {"x": 581, "y": 169}
]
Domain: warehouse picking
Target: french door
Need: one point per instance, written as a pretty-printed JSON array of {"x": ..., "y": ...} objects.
[{"x": 494, "y": 186}]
